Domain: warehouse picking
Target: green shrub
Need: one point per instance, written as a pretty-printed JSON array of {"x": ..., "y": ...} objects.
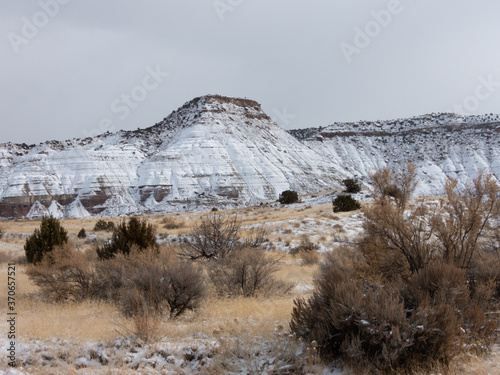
[
  {"x": 43, "y": 240},
  {"x": 351, "y": 186},
  {"x": 136, "y": 232},
  {"x": 102, "y": 225},
  {"x": 344, "y": 203},
  {"x": 288, "y": 197},
  {"x": 82, "y": 234}
]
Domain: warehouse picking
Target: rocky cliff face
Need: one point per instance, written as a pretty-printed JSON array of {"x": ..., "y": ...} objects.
[
  {"x": 213, "y": 151},
  {"x": 221, "y": 151},
  {"x": 440, "y": 145}
]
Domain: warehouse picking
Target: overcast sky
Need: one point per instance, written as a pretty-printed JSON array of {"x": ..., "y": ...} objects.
[{"x": 72, "y": 68}]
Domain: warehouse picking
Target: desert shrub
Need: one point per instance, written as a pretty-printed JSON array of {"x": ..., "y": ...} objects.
[
  {"x": 440, "y": 284},
  {"x": 256, "y": 237},
  {"x": 170, "y": 223},
  {"x": 351, "y": 185},
  {"x": 463, "y": 223},
  {"x": 344, "y": 203},
  {"x": 152, "y": 287},
  {"x": 82, "y": 234},
  {"x": 395, "y": 240},
  {"x": 111, "y": 275},
  {"x": 483, "y": 277},
  {"x": 1, "y": 232},
  {"x": 43, "y": 240},
  {"x": 136, "y": 232},
  {"x": 288, "y": 197},
  {"x": 216, "y": 236},
  {"x": 247, "y": 273},
  {"x": 387, "y": 185},
  {"x": 347, "y": 259},
  {"x": 108, "y": 280},
  {"x": 214, "y": 209},
  {"x": 348, "y": 322},
  {"x": 305, "y": 245},
  {"x": 103, "y": 225},
  {"x": 373, "y": 326},
  {"x": 100, "y": 225},
  {"x": 148, "y": 282},
  {"x": 63, "y": 274},
  {"x": 400, "y": 237}
]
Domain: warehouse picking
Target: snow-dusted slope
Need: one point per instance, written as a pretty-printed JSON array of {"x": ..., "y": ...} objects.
[
  {"x": 441, "y": 145},
  {"x": 221, "y": 151},
  {"x": 213, "y": 150}
]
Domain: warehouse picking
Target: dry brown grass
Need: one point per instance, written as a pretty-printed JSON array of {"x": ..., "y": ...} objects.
[
  {"x": 217, "y": 318},
  {"x": 91, "y": 321}
]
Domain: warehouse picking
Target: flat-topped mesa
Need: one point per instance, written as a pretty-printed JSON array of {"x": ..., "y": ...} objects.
[
  {"x": 202, "y": 110},
  {"x": 220, "y": 104},
  {"x": 197, "y": 109},
  {"x": 228, "y": 99}
]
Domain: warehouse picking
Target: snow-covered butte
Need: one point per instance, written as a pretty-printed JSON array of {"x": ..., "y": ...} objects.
[
  {"x": 212, "y": 151},
  {"x": 222, "y": 151}
]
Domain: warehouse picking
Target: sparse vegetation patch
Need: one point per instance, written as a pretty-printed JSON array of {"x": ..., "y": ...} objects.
[{"x": 43, "y": 240}]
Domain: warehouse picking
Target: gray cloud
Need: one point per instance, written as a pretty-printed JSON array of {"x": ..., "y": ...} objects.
[{"x": 426, "y": 57}]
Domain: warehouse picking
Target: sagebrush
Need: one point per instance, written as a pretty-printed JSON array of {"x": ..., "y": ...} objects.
[{"x": 391, "y": 326}]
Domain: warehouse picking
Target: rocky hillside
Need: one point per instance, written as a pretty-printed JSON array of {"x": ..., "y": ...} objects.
[
  {"x": 441, "y": 145},
  {"x": 225, "y": 152},
  {"x": 213, "y": 151}
]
